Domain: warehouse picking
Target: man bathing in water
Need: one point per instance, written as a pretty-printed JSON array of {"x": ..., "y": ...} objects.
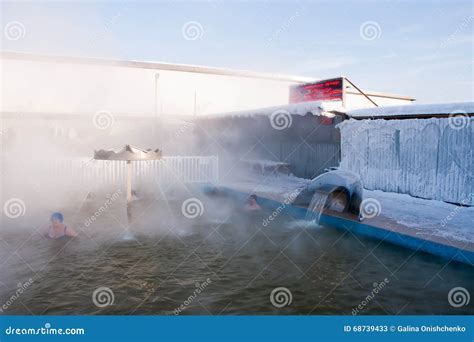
[
  {"x": 57, "y": 229},
  {"x": 251, "y": 204}
]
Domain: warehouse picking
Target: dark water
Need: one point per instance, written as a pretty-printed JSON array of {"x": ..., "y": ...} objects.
[{"x": 232, "y": 258}]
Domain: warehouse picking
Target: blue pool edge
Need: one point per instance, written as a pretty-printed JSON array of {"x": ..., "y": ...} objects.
[{"x": 360, "y": 228}]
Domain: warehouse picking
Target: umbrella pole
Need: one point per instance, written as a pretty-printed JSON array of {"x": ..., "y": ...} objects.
[
  {"x": 128, "y": 235},
  {"x": 129, "y": 181},
  {"x": 129, "y": 192}
]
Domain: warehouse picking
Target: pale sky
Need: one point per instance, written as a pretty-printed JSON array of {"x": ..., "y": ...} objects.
[{"x": 418, "y": 48}]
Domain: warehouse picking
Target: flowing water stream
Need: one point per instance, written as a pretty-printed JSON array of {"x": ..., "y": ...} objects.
[{"x": 316, "y": 207}]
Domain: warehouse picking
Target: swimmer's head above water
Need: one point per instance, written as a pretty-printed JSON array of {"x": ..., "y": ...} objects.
[
  {"x": 58, "y": 229},
  {"x": 57, "y": 218},
  {"x": 252, "y": 203}
]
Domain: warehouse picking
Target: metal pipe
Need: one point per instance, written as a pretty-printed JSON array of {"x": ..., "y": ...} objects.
[
  {"x": 152, "y": 65},
  {"x": 368, "y": 98}
]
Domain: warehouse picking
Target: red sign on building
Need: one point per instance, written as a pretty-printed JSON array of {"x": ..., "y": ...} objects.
[{"x": 326, "y": 90}]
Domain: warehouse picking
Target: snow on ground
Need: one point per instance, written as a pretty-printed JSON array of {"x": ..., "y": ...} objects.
[
  {"x": 427, "y": 216},
  {"x": 278, "y": 187}
]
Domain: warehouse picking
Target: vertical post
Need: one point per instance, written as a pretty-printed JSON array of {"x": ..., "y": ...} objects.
[
  {"x": 129, "y": 181},
  {"x": 157, "y": 76},
  {"x": 344, "y": 99},
  {"x": 195, "y": 109}
]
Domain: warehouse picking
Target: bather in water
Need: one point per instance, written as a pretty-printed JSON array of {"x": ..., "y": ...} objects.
[
  {"x": 58, "y": 229},
  {"x": 251, "y": 204}
]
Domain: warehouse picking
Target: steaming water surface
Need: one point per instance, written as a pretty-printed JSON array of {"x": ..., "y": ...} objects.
[{"x": 230, "y": 256}]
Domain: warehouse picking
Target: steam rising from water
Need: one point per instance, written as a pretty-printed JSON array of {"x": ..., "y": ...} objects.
[{"x": 58, "y": 111}]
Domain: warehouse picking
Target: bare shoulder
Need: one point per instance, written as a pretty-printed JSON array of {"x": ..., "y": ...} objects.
[
  {"x": 70, "y": 231},
  {"x": 50, "y": 233}
]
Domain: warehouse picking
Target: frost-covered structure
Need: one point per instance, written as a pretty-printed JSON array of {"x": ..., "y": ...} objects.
[
  {"x": 426, "y": 157},
  {"x": 414, "y": 111}
]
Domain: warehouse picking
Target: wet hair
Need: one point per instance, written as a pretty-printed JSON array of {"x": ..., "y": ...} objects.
[
  {"x": 57, "y": 216},
  {"x": 253, "y": 196}
]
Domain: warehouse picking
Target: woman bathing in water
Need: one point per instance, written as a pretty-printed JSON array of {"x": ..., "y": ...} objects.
[
  {"x": 251, "y": 204},
  {"x": 57, "y": 229}
]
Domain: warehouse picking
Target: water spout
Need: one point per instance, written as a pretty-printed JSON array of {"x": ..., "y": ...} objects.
[{"x": 316, "y": 207}]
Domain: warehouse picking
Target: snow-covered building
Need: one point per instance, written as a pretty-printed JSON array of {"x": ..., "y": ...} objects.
[
  {"x": 425, "y": 151},
  {"x": 235, "y": 113},
  {"x": 302, "y": 133}
]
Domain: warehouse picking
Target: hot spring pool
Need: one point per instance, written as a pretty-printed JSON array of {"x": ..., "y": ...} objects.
[{"x": 228, "y": 255}]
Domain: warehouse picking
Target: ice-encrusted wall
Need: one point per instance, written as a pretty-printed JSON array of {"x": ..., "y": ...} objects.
[{"x": 428, "y": 158}]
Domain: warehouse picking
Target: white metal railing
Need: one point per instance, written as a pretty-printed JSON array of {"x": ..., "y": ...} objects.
[{"x": 93, "y": 173}]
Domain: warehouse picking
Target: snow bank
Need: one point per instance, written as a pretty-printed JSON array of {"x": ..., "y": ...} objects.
[
  {"x": 349, "y": 180},
  {"x": 425, "y": 158},
  {"x": 277, "y": 188},
  {"x": 427, "y": 218},
  {"x": 414, "y": 109}
]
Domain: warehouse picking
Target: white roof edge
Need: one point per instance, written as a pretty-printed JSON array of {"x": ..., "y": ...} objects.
[
  {"x": 414, "y": 110},
  {"x": 301, "y": 108},
  {"x": 152, "y": 65}
]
